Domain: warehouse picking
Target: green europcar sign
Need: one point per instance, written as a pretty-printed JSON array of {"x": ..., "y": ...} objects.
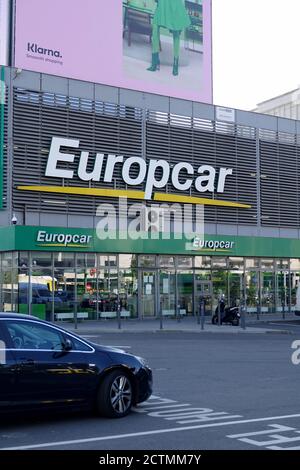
[{"x": 22, "y": 238}]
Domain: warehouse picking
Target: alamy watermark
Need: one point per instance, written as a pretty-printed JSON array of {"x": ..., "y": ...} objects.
[
  {"x": 153, "y": 221},
  {"x": 296, "y": 354}
]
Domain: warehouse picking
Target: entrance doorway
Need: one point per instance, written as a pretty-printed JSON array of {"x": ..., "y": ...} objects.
[
  {"x": 148, "y": 295},
  {"x": 203, "y": 290}
]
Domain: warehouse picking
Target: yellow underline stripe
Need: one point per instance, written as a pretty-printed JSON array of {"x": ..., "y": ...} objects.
[
  {"x": 72, "y": 245},
  {"x": 131, "y": 194},
  {"x": 197, "y": 200}
]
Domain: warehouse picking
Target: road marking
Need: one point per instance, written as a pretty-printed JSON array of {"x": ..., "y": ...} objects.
[
  {"x": 277, "y": 427},
  {"x": 148, "y": 433},
  {"x": 273, "y": 437}
]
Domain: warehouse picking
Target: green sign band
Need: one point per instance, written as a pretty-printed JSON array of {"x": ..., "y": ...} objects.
[{"x": 21, "y": 238}]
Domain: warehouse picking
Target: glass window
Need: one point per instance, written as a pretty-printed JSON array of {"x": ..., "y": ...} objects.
[
  {"x": 128, "y": 289},
  {"x": 184, "y": 261},
  {"x": 252, "y": 263},
  {"x": 236, "y": 263},
  {"x": 105, "y": 260},
  {"x": 6, "y": 260},
  {"x": 282, "y": 264},
  {"x": 218, "y": 262},
  {"x": 147, "y": 260},
  {"x": 295, "y": 264},
  {"x": 78, "y": 345},
  {"x": 23, "y": 260},
  {"x": 41, "y": 259},
  {"x": 127, "y": 261},
  {"x": 30, "y": 335},
  {"x": 91, "y": 259},
  {"x": 267, "y": 264},
  {"x": 203, "y": 262},
  {"x": 64, "y": 259},
  {"x": 167, "y": 261}
]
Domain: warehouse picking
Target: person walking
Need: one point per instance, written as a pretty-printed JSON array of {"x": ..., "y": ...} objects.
[{"x": 172, "y": 15}]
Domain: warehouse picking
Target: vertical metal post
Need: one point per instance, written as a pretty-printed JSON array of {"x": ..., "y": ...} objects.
[
  {"x": 243, "y": 316},
  {"x": 29, "y": 292},
  {"x": 202, "y": 312},
  {"x": 118, "y": 311},
  {"x": 53, "y": 289},
  {"x": 76, "y": 294},
  {"x": 219, "y": 310},
  {"x": 118, "y": 297},
  {"x": 161, "y": 314},
  {"x": 97, "y": 286}
]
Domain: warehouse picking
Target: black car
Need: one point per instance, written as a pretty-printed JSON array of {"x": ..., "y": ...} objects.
[{"x": 42, "y": 365}]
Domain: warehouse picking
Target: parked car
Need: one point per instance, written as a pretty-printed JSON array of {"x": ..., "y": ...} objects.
[
  {"x": 39, "y": 292},
  {"x": 48, "y": 367}
]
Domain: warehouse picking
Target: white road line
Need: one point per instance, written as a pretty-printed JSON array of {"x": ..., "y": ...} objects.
[{"x": 148, "y": 433}]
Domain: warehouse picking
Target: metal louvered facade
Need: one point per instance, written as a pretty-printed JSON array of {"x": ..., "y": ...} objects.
[
  {"x": 129, "y": 131},
  {"x": 262, "y": 151}
]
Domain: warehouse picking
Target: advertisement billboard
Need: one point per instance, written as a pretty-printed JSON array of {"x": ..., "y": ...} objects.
[
  {"x": 4, "y": 31},
  {"x": 156, "y": 46}
]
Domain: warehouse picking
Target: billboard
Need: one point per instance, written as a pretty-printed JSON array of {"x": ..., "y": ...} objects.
[
  {"x": 4, "y": 31},
  {"x": 156, "y": 46}
]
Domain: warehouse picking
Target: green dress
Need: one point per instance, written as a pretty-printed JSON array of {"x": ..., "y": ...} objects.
[{"x": 172, "y": 15}]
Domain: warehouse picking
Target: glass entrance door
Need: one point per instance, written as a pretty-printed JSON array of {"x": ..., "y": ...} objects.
[
  {"x": 147, "y": 298},
  {"x": 203, "y": 289},
  {"x": 167, "y": 293}
]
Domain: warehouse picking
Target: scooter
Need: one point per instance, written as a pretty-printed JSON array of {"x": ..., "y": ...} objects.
[{"x": 227, "y": 315}]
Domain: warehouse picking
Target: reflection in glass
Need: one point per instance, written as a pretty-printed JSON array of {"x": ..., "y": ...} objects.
[
  {"x": 167, "y": 292},
  {"x": 185, "y": 282}
]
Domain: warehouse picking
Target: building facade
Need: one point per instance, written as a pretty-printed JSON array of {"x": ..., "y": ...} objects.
[
  {"x": 286, "y": 105},
  {"x": 73, "y": 153}
]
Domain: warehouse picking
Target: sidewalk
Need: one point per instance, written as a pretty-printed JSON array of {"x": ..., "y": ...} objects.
[{"x": 185, "y": 325}]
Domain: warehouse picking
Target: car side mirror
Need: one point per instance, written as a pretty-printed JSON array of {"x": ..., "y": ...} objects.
[{"x": 67, "y": 345}]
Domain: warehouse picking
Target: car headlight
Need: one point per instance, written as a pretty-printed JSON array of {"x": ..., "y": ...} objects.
[{"x": 142, "y": 360}]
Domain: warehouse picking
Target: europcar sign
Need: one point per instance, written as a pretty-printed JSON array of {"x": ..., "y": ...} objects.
[
  {"x": 154, "y": 175},
  {"x": 203, "y": 178}
]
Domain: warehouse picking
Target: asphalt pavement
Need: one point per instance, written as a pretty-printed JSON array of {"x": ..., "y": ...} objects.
[{"x": 211, "y": 391}]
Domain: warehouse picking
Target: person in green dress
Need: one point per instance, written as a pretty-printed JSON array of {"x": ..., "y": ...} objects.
[{"x": 172, "y": 15}]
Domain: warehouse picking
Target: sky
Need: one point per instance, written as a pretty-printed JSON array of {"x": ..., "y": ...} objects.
[{"x": 256, "y": 50}]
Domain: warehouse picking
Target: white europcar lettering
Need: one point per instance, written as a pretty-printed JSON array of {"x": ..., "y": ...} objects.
[
  {"x": 155, "y": 175},
  {"x": 212, "y": 244},
  {"x": 62, "y": 238}
]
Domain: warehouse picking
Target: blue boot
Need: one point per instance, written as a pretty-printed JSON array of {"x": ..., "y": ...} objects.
[
  {"x": 175, "y": 66},
  {"x": 155, "y": 64}
]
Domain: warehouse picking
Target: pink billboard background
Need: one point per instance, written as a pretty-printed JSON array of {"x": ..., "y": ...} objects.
[{"x": 83, "y": 39}]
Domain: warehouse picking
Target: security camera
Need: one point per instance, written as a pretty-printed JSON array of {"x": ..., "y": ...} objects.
[
  {"x": 18, "y": 71},
  {"x": 14, "y": 219}
]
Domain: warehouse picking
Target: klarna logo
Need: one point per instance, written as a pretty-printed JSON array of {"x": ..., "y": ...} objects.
[{"x": 37, "y": 49}]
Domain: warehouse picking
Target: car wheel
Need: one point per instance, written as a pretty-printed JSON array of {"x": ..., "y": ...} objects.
[{"x": 115, "y": 395}]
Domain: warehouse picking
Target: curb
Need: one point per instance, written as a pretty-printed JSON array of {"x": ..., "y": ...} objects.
[{"x": 155, "y": 331}]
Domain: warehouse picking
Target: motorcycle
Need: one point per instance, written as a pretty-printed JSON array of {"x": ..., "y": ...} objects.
[{"x": 227, "y": 315}]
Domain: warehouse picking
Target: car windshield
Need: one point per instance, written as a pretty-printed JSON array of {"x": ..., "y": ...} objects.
[{"x": 44, "y": 293}]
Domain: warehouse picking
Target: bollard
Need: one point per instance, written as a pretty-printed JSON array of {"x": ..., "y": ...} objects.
[
  {"x": 119, "y": 312},
  {"x": 178, "y": 313},
  {"x": 283, "y": 310},
  {"x": 243, "y": 317},
  {"x": 202, "y": 311},
  {"x": 161, "y": 316}
]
